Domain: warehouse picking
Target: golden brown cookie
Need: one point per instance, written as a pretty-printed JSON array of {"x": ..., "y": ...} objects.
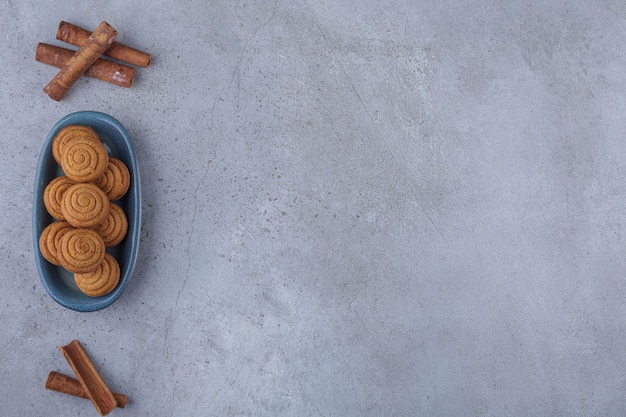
[
  {"x": 53, "y": 194},
  {"x": 85, "y": 205},
  {"x": 67, "y": 134},
  {"x": 114, "y": 228},
  {"x": 102, "y": 280},
  {"x": 59, "y": 235},
  {"x": 84, "y": 160},
  {"x": 81, "y": 250},
  {"x": 48, "y": 240},
  {"x": 116, "y": 179}
]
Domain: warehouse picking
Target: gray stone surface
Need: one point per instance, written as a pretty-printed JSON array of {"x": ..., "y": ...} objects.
[{"x": 391, "y": 208}]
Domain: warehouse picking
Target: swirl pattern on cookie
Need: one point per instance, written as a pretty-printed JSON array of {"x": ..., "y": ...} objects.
[
  {"x": 68, "y": 134},
  {"x": 114, "y": 228},
  {"x": 85, "y": 205},
  {"x": 81, "y": 250},
  {"x": 60, "y": 233},
  {"x": 116, "y": 179},
  {"x": 102, "y": 280},
  {"x": 53, "y": 195},
  {"x": 84, "y": 160},
  {"x": 48, "y": 240}
]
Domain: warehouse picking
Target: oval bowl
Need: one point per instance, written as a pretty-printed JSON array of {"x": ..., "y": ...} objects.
[{"x": 58, "y": 282}]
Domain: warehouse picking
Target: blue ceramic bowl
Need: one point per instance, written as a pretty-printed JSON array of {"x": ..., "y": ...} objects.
[{"x": 58, "y": 282}]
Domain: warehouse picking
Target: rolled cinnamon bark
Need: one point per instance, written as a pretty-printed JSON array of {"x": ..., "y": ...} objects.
[
  {"x": 95, "y": 388},
  {"x": 98, "y": 42},
  {"x": 102, "y": 69},
  {"x": 66, "y": 385},
  {"x": 75, "y": 35}
]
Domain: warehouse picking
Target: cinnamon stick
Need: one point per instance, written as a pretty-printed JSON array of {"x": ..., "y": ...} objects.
[
  {"x": 67, "y": 385},
  {"x": 102, "y": 69},
  {"x": 89, "y": 52},
  {"x": 95, "y": 388},
  {"x": 75, "y": 35}
]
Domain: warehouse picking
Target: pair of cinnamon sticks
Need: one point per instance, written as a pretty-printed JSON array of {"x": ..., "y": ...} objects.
[
  {"x": 89, "y": 384},
  {"x": 87, "y": 60}
]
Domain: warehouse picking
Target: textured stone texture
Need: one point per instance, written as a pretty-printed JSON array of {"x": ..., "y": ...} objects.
[{"x": 382, "y": 209}]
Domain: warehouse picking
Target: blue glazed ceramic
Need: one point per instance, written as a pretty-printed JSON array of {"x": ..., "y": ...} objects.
[{"x": 58, "y": 282}]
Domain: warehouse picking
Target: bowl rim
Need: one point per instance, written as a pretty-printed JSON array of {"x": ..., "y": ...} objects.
[{"x": 89, "y": 118}]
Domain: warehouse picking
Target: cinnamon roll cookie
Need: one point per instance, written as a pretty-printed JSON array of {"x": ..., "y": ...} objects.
[
  {"x": 85, "y": 205},
  {"x": 49, "y": 238},
  {"x": 102, "y": 280},
  {"x": 68, "y": 134},
  {"x": 114, "y": 228},
  {"x": 53, "y": 195},
  {"x": 116, "y": 179},
  {"x": 84, "y": 159},
  {"x": 81, "y": 250}
]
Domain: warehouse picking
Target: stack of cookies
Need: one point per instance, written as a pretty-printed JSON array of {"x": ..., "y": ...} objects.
[{"x": 87, "y": 220}]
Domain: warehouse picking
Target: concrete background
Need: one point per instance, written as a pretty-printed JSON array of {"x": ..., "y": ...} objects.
[{"x": 393, "y": 208}]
